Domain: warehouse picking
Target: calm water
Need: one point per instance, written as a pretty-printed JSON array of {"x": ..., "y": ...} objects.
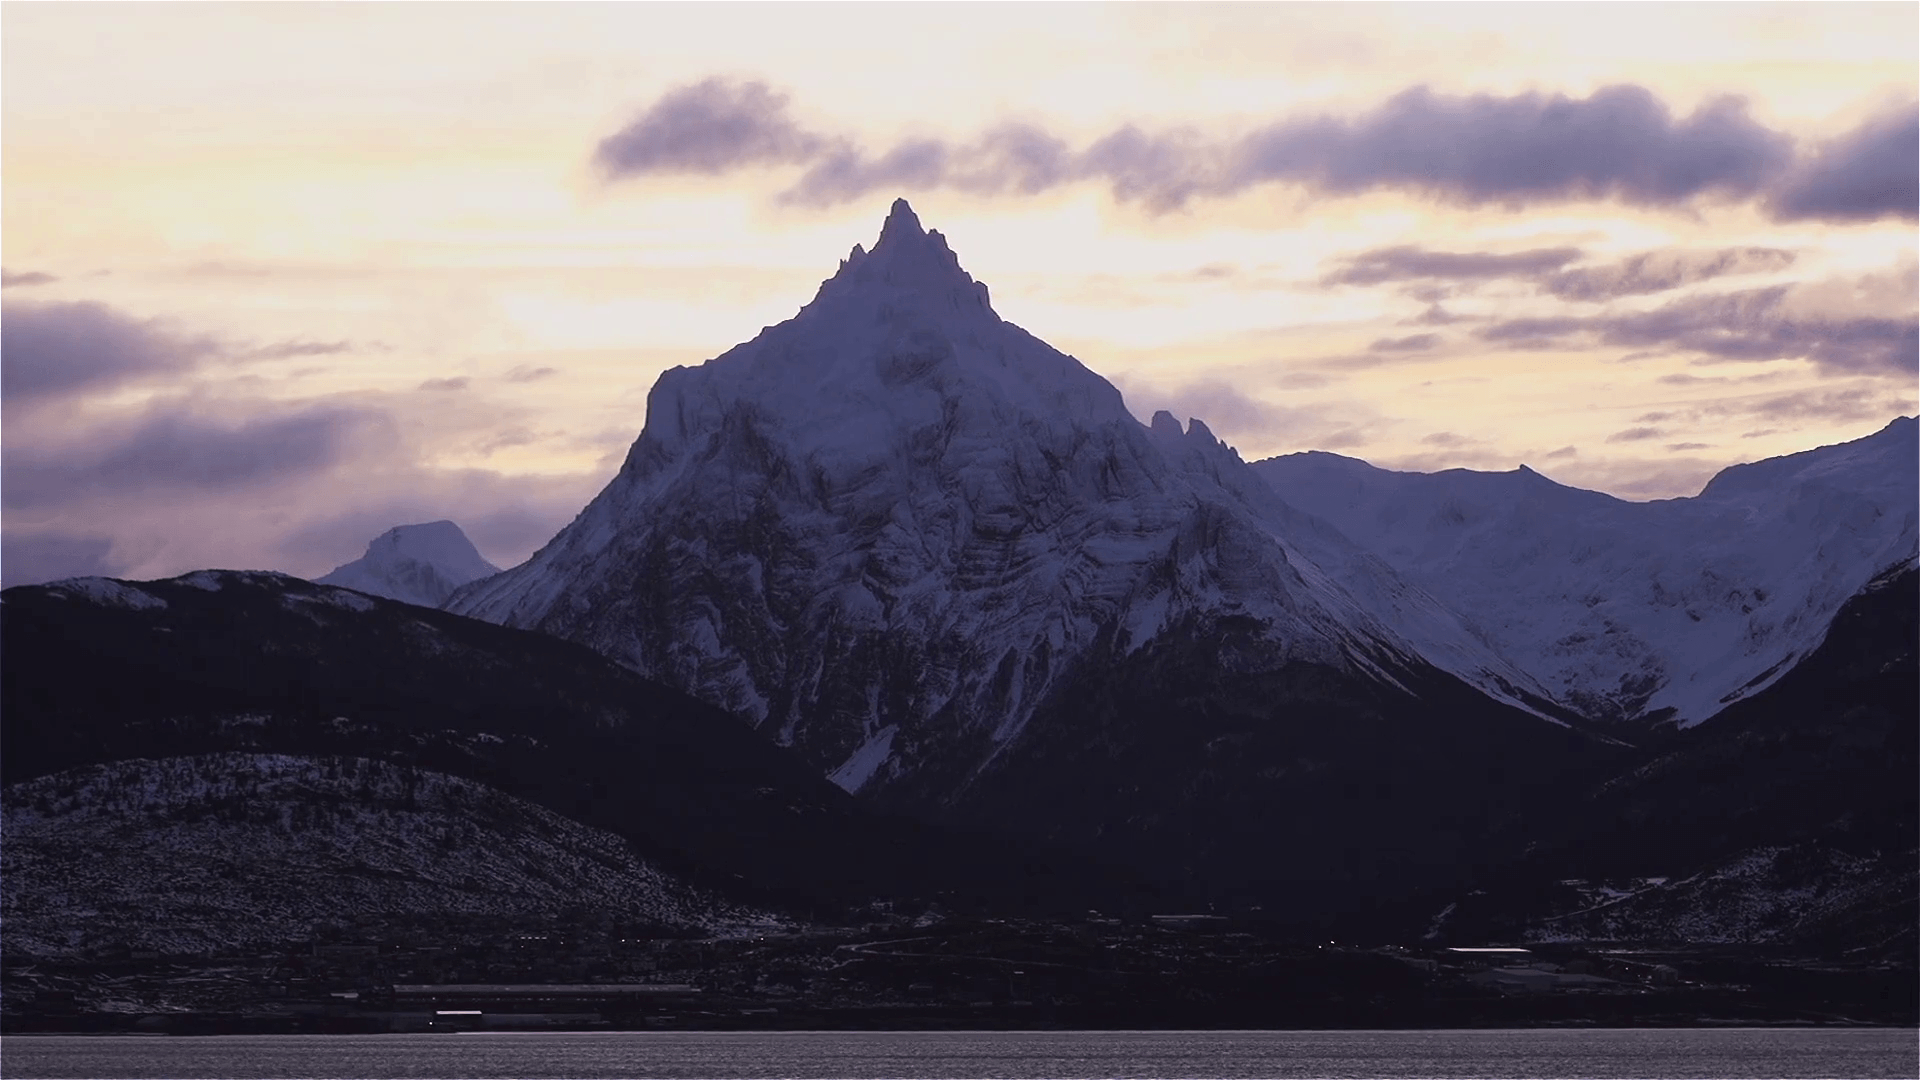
[{"x": 1801, "y": 1052}]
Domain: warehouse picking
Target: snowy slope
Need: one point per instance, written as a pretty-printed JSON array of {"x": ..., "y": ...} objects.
[
  {"x": 418, "y": 564},
  {"x": 896, "y": 517},
  {"x": 1630, "y": 609}
]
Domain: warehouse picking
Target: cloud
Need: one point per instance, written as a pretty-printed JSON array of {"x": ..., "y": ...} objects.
[
  {"x": 847, "y": 174},
  {"x": 1751, "y": 325},
  {"x": 288, "y": 350},
  {"x": 9, "y": 279},
  {"x": 1246, "y": 422},
  {"x": 1620, "y": 142},
  {"x": 1856, "y": 403},
  {"x": 708, "y": 128},
  {"x": 1679, "y": 446},
  {"x": 1415, "y": 343},
  {"x": 1563, "y": 452},
  {"x": 1636, "y": 434},
  {"x": 53, "y": 349},
  {"x": 1871, "y": 172},
  {"x": 28, "y": 558},
  {"x": 1659, "y": 271},
  {"x": 1447, "y": 438},
  {"x": 1412, "y": 263},
  {"x": 459, "y": 382},
  {"x": 1435, "y": 315},
  {"x": 1224, "y": 407},
  {"x": 526, "y": 373},
  {"x": 172, "y": 448}
]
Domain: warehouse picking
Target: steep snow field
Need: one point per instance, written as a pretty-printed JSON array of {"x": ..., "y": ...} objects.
[
  {"x": 418, "y": 564},
  {"x": 1629, "y": 609},
  {"x": 192, "y": 854},
  {"x": 895, "y": 517}
]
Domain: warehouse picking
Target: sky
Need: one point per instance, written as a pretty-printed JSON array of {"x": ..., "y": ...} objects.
[{"x": 280, "y": 276}]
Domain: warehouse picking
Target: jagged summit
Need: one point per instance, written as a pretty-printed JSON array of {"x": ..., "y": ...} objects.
[
  {"x": 908, "y": 267},
  {"x": 901, "y": 223},
  {"x": 418, "y": 564}
]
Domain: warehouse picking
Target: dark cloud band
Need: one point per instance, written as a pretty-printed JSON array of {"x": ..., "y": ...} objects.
[
  {"x": 52, "y": 349},
  {"x": 1620, "y": 142},
  {"x": 172, "y": 449}
]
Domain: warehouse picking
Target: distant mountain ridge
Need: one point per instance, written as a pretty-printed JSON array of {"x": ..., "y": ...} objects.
[
  {"x": 1667, "y": 610},
  {"x": 417, "y": 564}
]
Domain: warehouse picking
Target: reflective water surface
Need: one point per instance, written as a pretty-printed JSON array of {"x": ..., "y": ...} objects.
[{"x": 1675, "y": 1053}]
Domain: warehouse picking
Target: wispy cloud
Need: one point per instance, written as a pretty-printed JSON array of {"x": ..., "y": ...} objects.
[
  {"x": 1662, "y": 271},
  {"x": 173, "y": 448},
  {"x": 288, "y": 350},
  {"x": 9, "y": 279},
  {"x": 1636, "y": 434},
  {"x": 1414, "y": 343},
  {"x": 1415, "y": 264},
  {"x": 1751, "y": 325}
]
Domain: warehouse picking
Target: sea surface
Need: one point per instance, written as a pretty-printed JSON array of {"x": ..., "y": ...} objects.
[{"x": 1670, "y": 1053}]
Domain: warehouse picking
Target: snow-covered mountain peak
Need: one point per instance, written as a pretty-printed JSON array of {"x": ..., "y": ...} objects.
[
  {"x": 901, "y": 339},
  {"x": 418, "y": 564},
  {"x": 891, "y": 526}
]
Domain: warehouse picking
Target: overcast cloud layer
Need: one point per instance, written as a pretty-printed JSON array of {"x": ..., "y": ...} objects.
[{"x": 1620, "y": 142}]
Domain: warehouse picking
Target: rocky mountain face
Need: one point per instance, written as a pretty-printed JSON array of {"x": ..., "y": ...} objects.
[
  {"x": 1658, "y": 611},
  {"x": 209, "y": 709},
  {"x": 417, "y": 564}
]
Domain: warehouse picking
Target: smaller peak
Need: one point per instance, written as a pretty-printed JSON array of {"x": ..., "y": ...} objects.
[
  {"x": 1197, "y": 426},
  {"x": 1164, "y": 423}
]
